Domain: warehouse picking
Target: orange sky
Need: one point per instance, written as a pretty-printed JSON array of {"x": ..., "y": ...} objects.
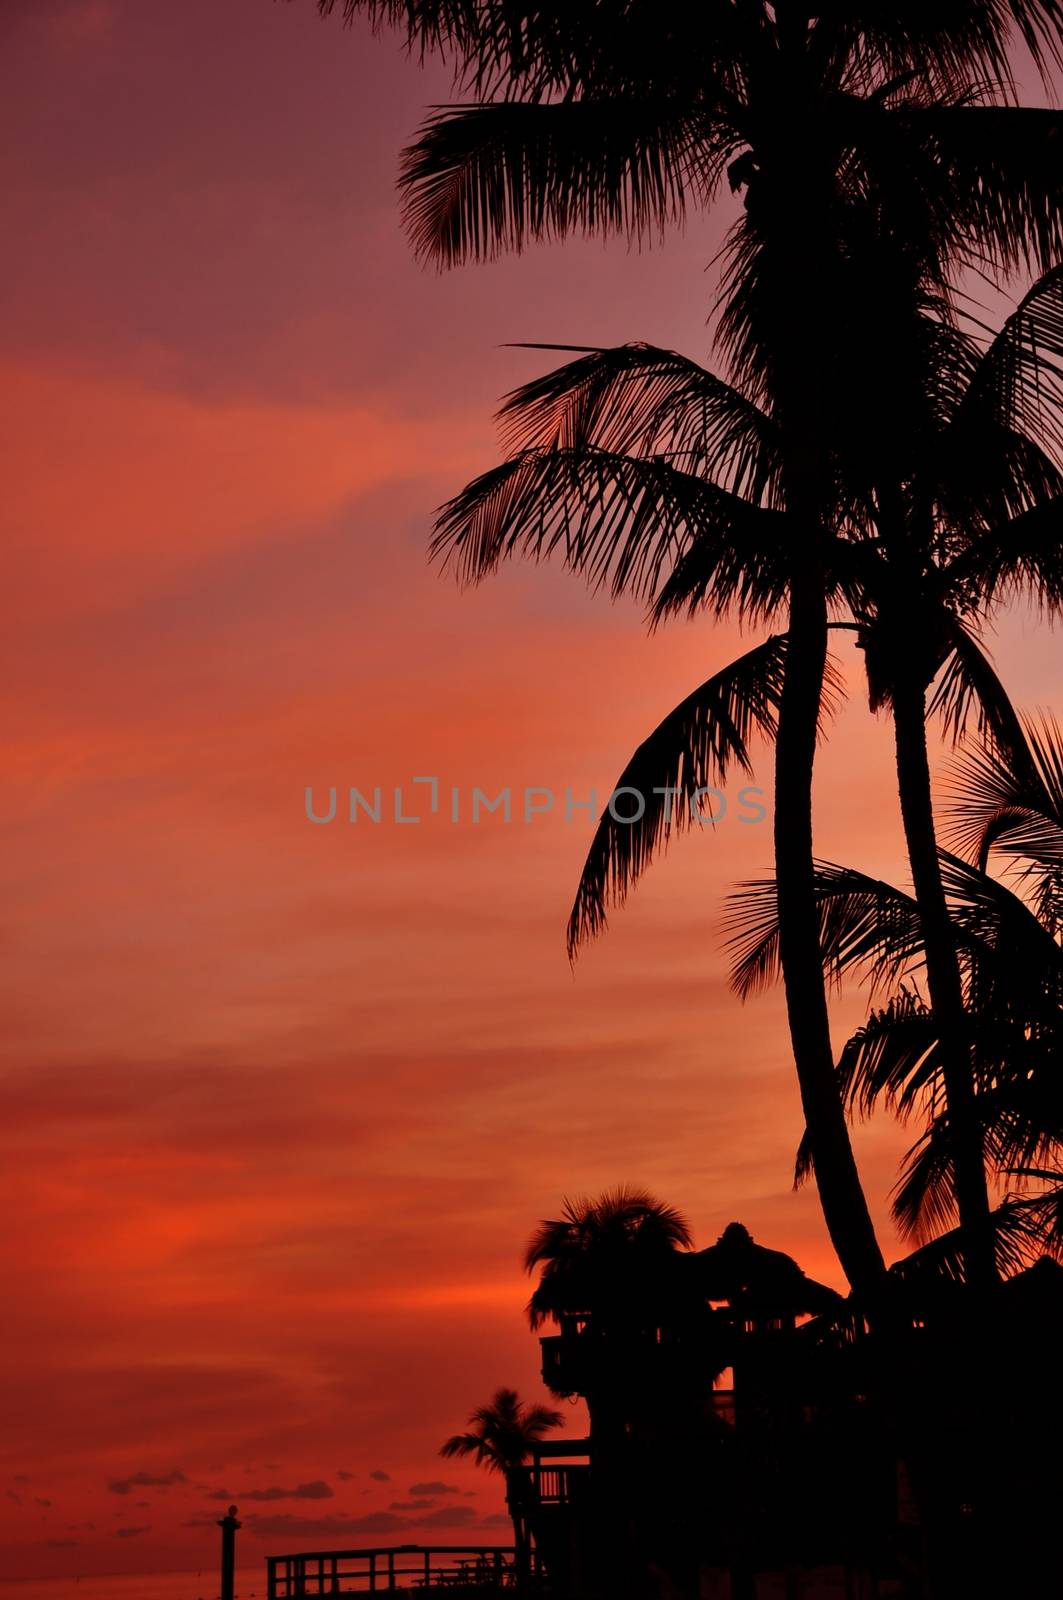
[{"x": 283, "y": 1102}]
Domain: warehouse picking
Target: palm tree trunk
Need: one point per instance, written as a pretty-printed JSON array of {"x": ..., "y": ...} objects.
[
  {"x": 521, "y": 1551},
  {"x": 943, "y": 977},
  {"x": 795, "y": 204},
  {"x": 841, "y": 1195}
]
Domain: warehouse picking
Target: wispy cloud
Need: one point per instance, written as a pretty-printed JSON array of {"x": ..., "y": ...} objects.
[{"x": 146, "y": 1480}]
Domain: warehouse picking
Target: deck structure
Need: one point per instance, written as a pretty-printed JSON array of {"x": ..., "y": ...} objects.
[{"x": 474, "y": 1570}]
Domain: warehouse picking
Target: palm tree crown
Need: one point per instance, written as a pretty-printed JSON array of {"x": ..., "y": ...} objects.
[
  {"x": 501, "y": 1434},
  {"x": 613, "y": 1257}
]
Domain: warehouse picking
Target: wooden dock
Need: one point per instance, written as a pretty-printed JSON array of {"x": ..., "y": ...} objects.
[{"x": 474, "y": 1570}]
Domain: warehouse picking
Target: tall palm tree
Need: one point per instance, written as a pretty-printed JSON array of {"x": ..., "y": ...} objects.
[
  {"x": 631, "y": 459},
  {"x": 963, "y": 487},
  {"x": 500, "y": 1438},
  {"x": 606, "y": 120},
  {"x": 967, "y": 489}
]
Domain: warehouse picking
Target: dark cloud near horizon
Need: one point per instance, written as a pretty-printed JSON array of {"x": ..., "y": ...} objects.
[
  {"x": 146, "y": 1480},
  {"x": 449, "y": 1517},
  {"x": 435, "y": 1487},
  {"x": 317, "y": 1489},
  {"x": 345, "y": 1477},
  {"x": 132, "y": 1533},
  {"x": 380, "y": 1477}
]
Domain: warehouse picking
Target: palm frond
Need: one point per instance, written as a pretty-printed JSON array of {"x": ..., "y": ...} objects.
[
  {"x": 1044, "y": 1208},
  {"x": 1022, "y": 1122},
  {"x": 1020, "y": 554},
  {"x": 483, "y": 179},
  {"x": 711, "y": 573},
  {"x": 864, "y": 923},
  {"x": 534, "y": 46},
  {"x": 471, "y": 1444},
  {"x": 944, "y": 37},
  {"x": 968, "y": 686},
  {"x": 617, "y": 520},
  {"x": 692, "y": 749},
  {"x": 1018, "y": 384},
  {"x": 1012, "y": 798},
  {"x": 893, "y": 1057},
  {"x": 990, "y": 919},
  {"x": 1018, "y": 1238},
  {"x": 639, "y": 399},
  {"x": 626, "y": 1215},
  {"x": 924, "y": 1198},
  {"x": 1000, "y": 170}
]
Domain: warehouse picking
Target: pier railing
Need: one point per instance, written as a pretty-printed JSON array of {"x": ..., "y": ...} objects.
[{"x": 460, "y": 1569}]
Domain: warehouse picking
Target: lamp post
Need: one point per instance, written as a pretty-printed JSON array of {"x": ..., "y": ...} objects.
[{"x": 228, "y": 1526}]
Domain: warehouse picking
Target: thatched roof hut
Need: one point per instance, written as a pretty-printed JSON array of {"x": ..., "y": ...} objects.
[{"x": 757, "y": 1280}]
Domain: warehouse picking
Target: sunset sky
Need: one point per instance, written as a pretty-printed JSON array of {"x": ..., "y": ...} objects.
[{"x": 283, "y": 1102}]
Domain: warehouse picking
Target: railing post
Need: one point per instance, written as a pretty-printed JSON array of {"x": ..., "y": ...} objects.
[{"x": 228, "y": 1526}]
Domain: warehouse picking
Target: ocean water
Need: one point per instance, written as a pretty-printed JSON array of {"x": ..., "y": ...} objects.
[{"x": 250, "y": 1585}]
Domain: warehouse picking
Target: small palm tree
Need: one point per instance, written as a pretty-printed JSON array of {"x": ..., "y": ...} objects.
[{"x": 500, "y": 1437}]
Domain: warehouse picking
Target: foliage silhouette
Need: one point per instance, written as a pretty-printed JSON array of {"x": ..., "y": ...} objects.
[{"x": 500, "y": 1438}]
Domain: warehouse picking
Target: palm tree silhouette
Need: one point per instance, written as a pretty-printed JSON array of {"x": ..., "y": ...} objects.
[
  {"x": 608, "y": 121},
  {"x": 948, "y": 498},
  {"x": 616, "y": 1276},
  {"x": 1011, "y": 801},
  {"x": 969, "y": 508},
  {"x": 1011, "y": 962},
  {"x": 500, "y": 1438},
  {"x": 611, "y": 1256}
]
